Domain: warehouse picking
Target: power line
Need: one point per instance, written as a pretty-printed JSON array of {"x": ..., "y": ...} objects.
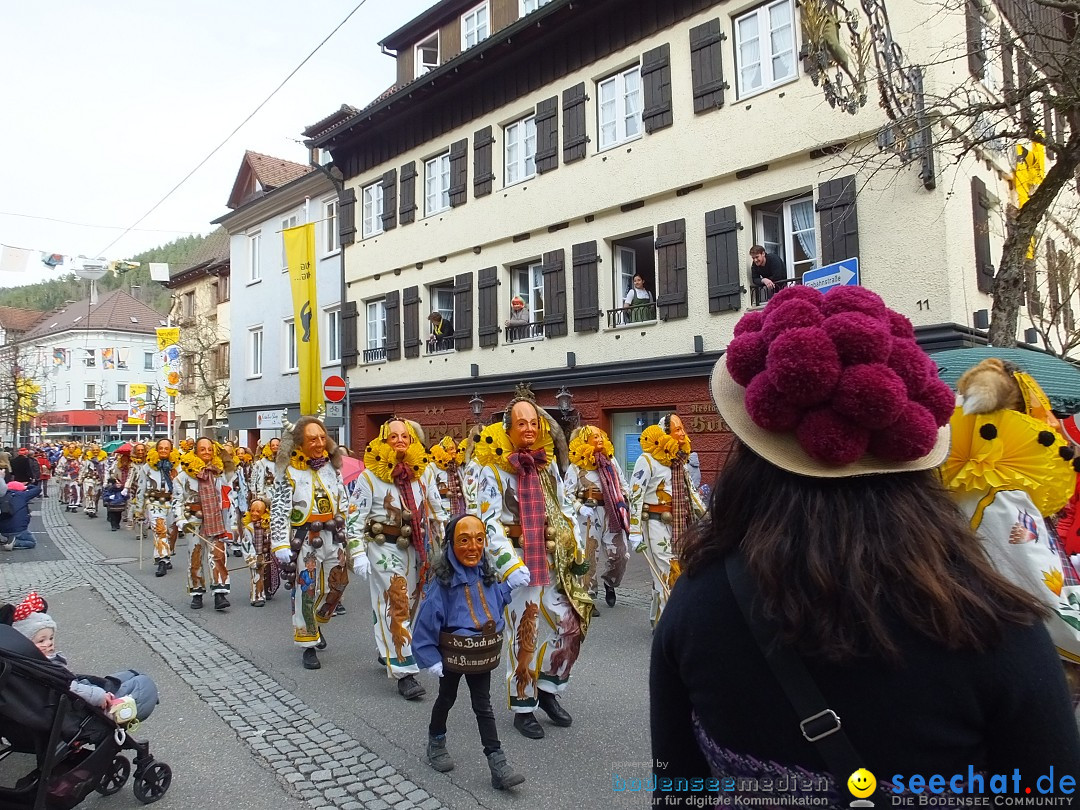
[
  {"x": 88, "y": 225},
  {"x": 239, "y": 126}
]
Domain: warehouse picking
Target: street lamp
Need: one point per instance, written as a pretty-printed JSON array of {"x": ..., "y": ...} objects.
[
  {"x": 476, "y": 405},
  {"x": 565, "y": 400}
]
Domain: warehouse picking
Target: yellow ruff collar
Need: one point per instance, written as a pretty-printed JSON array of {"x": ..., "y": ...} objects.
[
  {"x": 1008, "y": 450},
  {"x": 246, "y": 520},
  {"x": 298, "y": 460},
  {"x": 152, "y": 457},
  {"x": 267, "y": 453},
  {"x": 92, "y": 455},
  {"x": 446, "y": 451},
  {"x": 381, "y": 458},
  {"x": 583, "y": 454},
  {"x": 193, "y": 465},
  {"x": 493, "y": 448},
  {"x": 661, "y": 445},
  {"x": 73, "y": 451}
]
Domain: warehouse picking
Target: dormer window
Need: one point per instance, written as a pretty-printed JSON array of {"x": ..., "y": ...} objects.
[
  {"x": 529, "y": 6},
  {"x": 427, "y": 55},
  {"x": 474, "y": 26}
]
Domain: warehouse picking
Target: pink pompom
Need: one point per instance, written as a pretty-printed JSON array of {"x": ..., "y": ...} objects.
[
  {"x": 769, "y": 408},
  {"x": 745, "y": 357},
  {"x": 803, "y": 365},
  {"x": 790, "y": 315},
  {"x": 830, "y": 438},
  {"x": 854, "y": 299},
  {"x": 912, "y": 364},
  {"x": 794, "y": 292},
  {"x": 750, "y": 322},
  {"x": 871, "y": 395},
  {"x": 858, "y": 337},
  {"x": 910, "y": 437},
  {"x": 940, "y": 400},
  {"x": 900, "y": 326}
]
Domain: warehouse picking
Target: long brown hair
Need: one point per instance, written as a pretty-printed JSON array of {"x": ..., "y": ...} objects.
[{"x": 839, "y": 562}]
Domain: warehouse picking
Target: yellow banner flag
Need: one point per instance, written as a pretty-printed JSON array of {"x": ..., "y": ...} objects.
[
  {"x": 300, "y": 257},
  {"x": 168, "y": 343},
  {"x": 137, "y": 404},
  {"x": 1030, "y": 172}
]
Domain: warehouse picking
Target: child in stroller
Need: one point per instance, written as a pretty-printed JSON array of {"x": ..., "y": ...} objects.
[{"x": 77, "y": 744}]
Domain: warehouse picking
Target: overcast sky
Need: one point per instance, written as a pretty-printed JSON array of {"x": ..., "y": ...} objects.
[{"x": 107, "y": 105}]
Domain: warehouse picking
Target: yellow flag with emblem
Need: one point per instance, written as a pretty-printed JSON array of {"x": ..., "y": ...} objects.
[{"x": 300, "y": 257}]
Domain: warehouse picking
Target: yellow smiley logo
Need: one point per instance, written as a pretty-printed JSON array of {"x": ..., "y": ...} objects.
[{"x": 861, "y": 783}]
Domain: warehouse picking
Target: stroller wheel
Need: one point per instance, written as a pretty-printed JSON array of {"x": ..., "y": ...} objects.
[
  {"x": 114, "y": 778},
  {"x": 153, "y": 784}
]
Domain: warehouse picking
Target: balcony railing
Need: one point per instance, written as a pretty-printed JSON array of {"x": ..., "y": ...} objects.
[
  {"x": 440, "y": 345},
  {"x": 628, "y": 316},
  {"x": 760, "y": 295},
  {"x": 530, "y": 331},
  {"x": 375, "y": 355}
]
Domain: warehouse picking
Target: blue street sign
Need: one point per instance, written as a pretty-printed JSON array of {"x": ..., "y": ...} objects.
[{"x": 837, "y": 274}]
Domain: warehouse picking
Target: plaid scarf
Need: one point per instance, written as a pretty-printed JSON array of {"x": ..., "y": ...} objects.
[
  {"x": 527, "y": 464},
  {"x": 403, "y": 477},
  {"x": 318, "y": 463},
  {"x": 260, "y": 537},
  {"x": 165, "y": 466},
  {"x": 453, "y": 484},
  {"x": 213, "y": 524},
  {"x": 614, "y": 500},
  {"x": 680, "y": 499}
]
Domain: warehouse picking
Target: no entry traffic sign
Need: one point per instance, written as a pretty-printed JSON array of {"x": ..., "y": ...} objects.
[{"x": 334, "y": 388}]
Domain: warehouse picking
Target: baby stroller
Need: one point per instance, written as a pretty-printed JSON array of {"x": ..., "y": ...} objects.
[{"x": 78, "y": 746}]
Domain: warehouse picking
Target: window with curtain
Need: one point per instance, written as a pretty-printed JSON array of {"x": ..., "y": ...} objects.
[{"x": 765, "y": 48}]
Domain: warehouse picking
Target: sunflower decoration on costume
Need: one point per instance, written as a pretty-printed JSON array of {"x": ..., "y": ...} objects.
[
  {"x": 193, "y": 465},
  {"x": 582, "y": 452},
  {"x": 661, "y": 445},
  {"x": 187, "y": 445},
  {"x": 264, "y": 521},
  {"x": 446, "y": 451},
  {"x": 381, "y": 458},
  {"x": 268, "y": 452},
  {"x": 73, "y": 450},
  {"x": 493, "y": 448},
  {"x": 152, "y": 457},
  {"x": 94, "y": 453}
]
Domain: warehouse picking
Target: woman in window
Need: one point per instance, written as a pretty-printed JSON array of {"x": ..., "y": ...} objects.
[
  {"x": 519, "y": 319},
  {"x": 639, "y": 302}
]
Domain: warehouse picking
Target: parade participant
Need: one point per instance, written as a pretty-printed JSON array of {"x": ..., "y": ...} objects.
[
  {"x": 122, "y": 471},
  {"x": 91, "y": 478},
  {"x": 464, "y": 602},
  {"x": 69, "y": 476},
  {"x": 312, "y": 528},
  {"x": 400, "y": 517},
  {"x": 234, "y": 498},
  {"x": 153, "y": 501},
  {"x": 255, "y": 542},
  {"x": 198, "y": 514},
  {"x": 263, "y": 472},
  {"x": 448, "y": 470},
  {"x": 138, "y": 461},
  {"x": 46, "y": 472},
  {"x": 595, "y": 481},
  {"x": 663, "y": 504},
  {"x": 533, "y": 542}
]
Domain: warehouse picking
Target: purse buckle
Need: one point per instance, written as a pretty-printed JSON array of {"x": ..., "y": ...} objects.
[{"x": 830, "y": 724}]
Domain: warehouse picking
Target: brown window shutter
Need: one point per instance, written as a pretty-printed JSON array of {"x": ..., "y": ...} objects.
[
  {"x": 656, "y": 83},
  {"x": 347, "y": 217},
  {"x": 671, "y": 270},
  {"x": 410, "y": 315},
  {"x": 722, "y": 259},
  {"x": 839, "y": 220},
  {"x": 574, "y": 137},
  {"x": 350, "y": 350},
  {"x": 555, "y": 293},
  {"x": 1024, "y": 76},
  {"x": 482, "y": 174},
  {"x": 547, "y": 135},
  {"x": 393, "y": 325},
  {"x": 1053, "y": 269},
  {"x": 487, "y": 293},
  {"x": 407, "y": 209},
  {"x": 389, "y": 191},
  {"x": 1008, "y": 73},
  {"x": 980, "y": 217},
  {"x": 586, "y": 287},
  {"x": 463, "y": 307},
  {"x": 976, "y": 55},
  {"x": 706, "y": 66},
  {"x": 459, "y": 172}
]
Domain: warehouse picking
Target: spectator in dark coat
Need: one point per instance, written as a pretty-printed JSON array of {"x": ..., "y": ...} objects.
[
  {"x": 15, "y": 527},
  {"x": 22, "y": 470},
  {"x": 442, "y": 333},
  {"x": 766, "y": 270}
]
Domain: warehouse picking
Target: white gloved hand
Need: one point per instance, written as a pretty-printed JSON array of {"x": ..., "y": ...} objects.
[
  {"x": 124, "y": 492},
  {"x": 436, "y": 669},
  {"x": 283, "y": 555},
  {"x": 361, "y": 566},
  {"x": 638, "y": 543},
  {"x": 519, "y": 578}
]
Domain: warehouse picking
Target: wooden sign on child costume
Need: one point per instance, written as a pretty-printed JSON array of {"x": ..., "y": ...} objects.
[{"x": 300, "y": 257}]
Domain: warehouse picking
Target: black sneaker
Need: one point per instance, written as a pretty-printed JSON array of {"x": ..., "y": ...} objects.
[
  {"x": 161, "y": 569},
  {"x": 220, "y": 601},
  {"x": 410, "y": 688},
  {"x": 196, "y": 602},
  {"x": 609, "y": 595},
  {"x": 340, "y": 609},
  {"x": 311, "y": 659}
]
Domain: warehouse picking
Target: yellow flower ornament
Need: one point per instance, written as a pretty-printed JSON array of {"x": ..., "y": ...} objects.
[
  {"x": 661, "y": 445},
  {"x": 582, "y": 453}
]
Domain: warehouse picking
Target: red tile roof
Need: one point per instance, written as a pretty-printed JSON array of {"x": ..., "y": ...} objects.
[
  {"x": 118, "y": 311},
  {"x": 274, "y": 172},
  {"x": 14, "y": 319}
]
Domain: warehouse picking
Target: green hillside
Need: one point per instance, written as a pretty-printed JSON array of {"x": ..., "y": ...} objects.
[{"x": 48, "y": 295}]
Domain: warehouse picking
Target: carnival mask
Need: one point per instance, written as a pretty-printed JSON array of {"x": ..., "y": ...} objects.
[
  {"x": 313, "y": 442},
  {"x": 469, "y": 541},
  {"x": 397, "y": 436},
  {"x": 204, "y": 450},
  {"x": 257, "y": 511},
  {"x": 676, "y": 429},
  {"x": 524, "y": 426}
]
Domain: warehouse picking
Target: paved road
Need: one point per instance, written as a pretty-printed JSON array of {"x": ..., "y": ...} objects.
[{"x": 243, "y": 722}]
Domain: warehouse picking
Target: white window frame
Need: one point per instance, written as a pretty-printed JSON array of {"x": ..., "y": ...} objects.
[
  {"x": 532, "y": 268},
  {"x": 330, "y": 227},
  {"x": 437, "y": 294},
  {"x": 287, "y": 222},
  {"x": 290, "y": 349},
  {"x": 90, "y": 396},
  {"x": 479, "y": 29},
  {"x": 374, "y": 314},
  {"x": 255, "y": 257},
  {"x": 621, "y": 114},
  {"x": 256, "y": 346},
  {"x": 519, "y": 150},
  {"x": 148, "y": 361},
  {"x": 420, "y": 67},
  {"x": 89, "y": 359},
  {"x": 786, "y": 252},
  {"x": 622, "y": 287},
  {"x": 529, "y": 6},
  {"x": 437, "y": 186},
  {"x": 371, "y": 197},
  {"x": 122, "y": 392},
  {"x": 333, "y": 334},
  {"x": 768, "y": 79}
]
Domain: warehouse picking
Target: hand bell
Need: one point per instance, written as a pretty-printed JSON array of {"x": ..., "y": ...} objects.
[
  {"x": 315, "y": 526},
  {"x": 316, "y": 542},
  {"x": 403, "y": 542}
]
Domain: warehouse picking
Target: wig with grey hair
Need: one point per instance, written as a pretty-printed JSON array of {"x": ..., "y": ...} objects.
[{"x": 293, "y": 439}]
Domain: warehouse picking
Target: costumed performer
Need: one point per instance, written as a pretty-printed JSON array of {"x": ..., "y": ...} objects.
[
  {"x": 255, "y": 542},
  {"x": 153, "y": 501},
  {"x": 448, "y": 470},
  {"x": 91, "y": 478},
  {"x": 198, "y": 513}
]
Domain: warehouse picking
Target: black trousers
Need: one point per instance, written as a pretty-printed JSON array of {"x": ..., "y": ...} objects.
[
  {"x": 480, "y": 691},
  {"x": 114, "y": 518}
]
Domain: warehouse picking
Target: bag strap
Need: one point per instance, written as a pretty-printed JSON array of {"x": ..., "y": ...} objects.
[{"x": 820, "y": 724}]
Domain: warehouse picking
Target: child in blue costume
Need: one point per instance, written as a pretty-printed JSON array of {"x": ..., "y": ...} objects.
[{"x": 458, "y": 631}]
